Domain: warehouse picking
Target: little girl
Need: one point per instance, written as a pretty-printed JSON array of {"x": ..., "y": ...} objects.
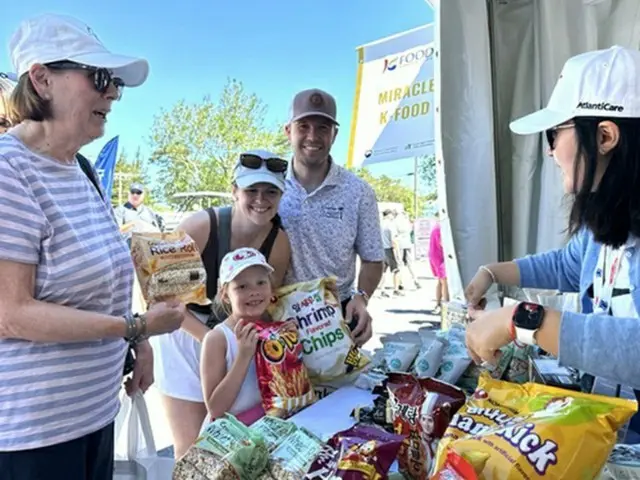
[{"x": 227, "y": 366}]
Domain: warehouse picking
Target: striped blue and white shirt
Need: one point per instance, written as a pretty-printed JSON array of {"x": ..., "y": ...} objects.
[{"x": 51, "y": 216}]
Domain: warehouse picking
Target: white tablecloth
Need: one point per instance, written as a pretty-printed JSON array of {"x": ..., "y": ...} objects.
[{"x": 332, "y": 414}]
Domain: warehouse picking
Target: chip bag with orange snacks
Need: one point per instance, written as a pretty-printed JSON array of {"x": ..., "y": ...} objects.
[
  {"x": 534, "y": 431},
  {"x": 168, "y": 265},
  {"x": 282, "y": 375},
  {"x": 421, "y": 410}
]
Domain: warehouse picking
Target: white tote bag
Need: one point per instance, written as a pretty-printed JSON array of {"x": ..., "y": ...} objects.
[{"x": 135, "y": 450}]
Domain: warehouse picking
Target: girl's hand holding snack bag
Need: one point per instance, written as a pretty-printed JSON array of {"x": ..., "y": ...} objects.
[{"x": 247, "y": 338}]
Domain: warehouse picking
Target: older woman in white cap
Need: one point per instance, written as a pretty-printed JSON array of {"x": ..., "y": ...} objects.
[
  {"x": 65, "y": 318},
  {"x": 252, "y": 221},
  {"x": 7, "y": 84}
]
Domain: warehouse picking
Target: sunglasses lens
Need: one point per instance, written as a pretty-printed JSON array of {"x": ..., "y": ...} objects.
[
  {"x": 136, "y": 192},
  {"x": 250, "y": 161},
  {"x": 277, "y": 165}
]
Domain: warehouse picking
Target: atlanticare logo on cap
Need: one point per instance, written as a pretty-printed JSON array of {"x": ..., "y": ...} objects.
[{"x": 409, "y": 58}]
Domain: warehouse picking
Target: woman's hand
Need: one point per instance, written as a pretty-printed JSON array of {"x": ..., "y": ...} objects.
[
  {"x": 488, "y": 333},
  {"x": 478, "y": 288},
  {"x": 247, "y": 336},
  {"x": 142, "y": 377},
  {"x": 165, "y": 317}
]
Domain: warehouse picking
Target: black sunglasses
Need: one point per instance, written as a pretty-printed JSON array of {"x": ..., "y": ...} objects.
[
  {"x": 552, "y": 134},
  {"x": 101, "y": 76},
  {"x": 136, "y": 192},
  {"x": 275, "y": 165}
]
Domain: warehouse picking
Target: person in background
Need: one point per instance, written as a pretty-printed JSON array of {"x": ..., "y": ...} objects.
[
  {"x": 65, "y": 308},
  {"x": 436, "y": 261},
  {"x": 404, "y": 229},
  {"x": 252, "y": 221},
  {"x": 592, "y": 125},
  {"x": 135, "y": 212},
  {"x": 389, "y": 244},
  {"x": 330, "y": 214},
  {"x": 7, "y": 84}
]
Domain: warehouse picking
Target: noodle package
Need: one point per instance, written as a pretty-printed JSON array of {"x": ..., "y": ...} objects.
[
  {"x": 328, "y": 349},
  {"x": 516, "y": 432},
  {"x": 168, "y": 265},
  {"x": 282, "y": 376}
]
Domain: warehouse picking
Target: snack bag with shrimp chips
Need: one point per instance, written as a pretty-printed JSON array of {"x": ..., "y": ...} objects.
[
  {"x": 329, "y": 352},
  {"x": 168, "y": 265},
  {"x": 534, "y": 431},
  {"x": 282, "y": 376}
]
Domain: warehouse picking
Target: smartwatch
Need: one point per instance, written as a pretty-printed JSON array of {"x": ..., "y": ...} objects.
[{"x": 526, "y": 321}]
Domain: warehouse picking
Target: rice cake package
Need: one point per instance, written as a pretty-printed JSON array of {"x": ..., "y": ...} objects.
[
  {"x": 168, "y": 265},
  {"x": 225, "y": 450},
  {"x": 361, "y": 452},
  {"x": 282, "y": 376},
  {"x": 421, "y": 410},
  {"x": 329, "y": 353},
  {"x": 534, "y": 431},
  {"x": 273, "y": 430},
  {"x": 293, "y": 457}
]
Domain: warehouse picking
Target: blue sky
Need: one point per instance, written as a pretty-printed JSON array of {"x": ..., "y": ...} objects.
[{"x": 275, "y": 48}]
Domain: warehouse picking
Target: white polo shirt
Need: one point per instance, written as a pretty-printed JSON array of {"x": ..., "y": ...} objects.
[{"x": 328, "y": 227}]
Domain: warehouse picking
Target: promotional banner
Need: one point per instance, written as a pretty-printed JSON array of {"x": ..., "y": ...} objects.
[
  {"x": 393, "y": 108},
  {"x": 106, "y": 165}
]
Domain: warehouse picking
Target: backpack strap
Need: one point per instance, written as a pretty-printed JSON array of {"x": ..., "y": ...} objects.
[
  {"x": 224, "y": 232},
  {"x": 210, "y": 255},
  {"x": 86, "y": 167}
]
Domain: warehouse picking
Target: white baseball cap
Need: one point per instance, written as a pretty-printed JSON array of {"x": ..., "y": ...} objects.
[
  {"x": 52, "y": 38},
  {"x": 601, "y": 83},
  {"x": 244, "y": 177},
  {"x": 236, "y": 262}
]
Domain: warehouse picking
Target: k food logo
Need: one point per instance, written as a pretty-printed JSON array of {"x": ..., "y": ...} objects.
[{"x": 602, "y": 106}]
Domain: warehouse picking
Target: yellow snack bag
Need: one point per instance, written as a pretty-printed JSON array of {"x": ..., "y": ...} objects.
[
  {"x": 532, "y": 430},
  {"x": 168, "y": 265}
]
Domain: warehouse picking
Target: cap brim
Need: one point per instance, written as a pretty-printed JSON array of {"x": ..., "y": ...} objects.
[
  {"x": 132, "y": 71},
  {"x": 539, "y": 121},
  {"x": 241, "y": 269},
  {"x": 246, "y": 181},
  {"x": 315, "y": 114}
]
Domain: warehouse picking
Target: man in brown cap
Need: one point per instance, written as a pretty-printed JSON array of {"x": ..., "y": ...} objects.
[{"x": 330, "y": 214}]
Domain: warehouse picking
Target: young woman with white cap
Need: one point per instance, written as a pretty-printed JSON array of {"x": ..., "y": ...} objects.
[
  {"x": 65, "y": 308},
  {"x": 252, "y": 221},
  {"x": 592, "y": 125}
]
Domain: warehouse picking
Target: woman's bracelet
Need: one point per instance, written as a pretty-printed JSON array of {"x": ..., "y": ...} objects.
[
  {"x": 487, "y": 270},
  {"x": 135, "y": 332}
]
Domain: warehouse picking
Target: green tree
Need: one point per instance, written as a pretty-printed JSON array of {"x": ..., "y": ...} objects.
[
  {"x": 127, "y": 171},
  {"x": 393, "y": 190},
  {"x": 195, "y": 146},
  {"x": 427, "y": 173}
]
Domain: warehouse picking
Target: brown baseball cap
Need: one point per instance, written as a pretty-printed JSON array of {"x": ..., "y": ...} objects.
[{"x": 313, "y": 102}]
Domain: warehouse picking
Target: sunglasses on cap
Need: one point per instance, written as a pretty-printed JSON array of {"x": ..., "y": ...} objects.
[
  {"x": 275, "y": 165},
  {"x": 101, "y": 76},
  {"x": 552, "y": 134}
]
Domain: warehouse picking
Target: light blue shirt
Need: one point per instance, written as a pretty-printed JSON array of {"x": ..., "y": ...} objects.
[{"x": 598, "y": 344}]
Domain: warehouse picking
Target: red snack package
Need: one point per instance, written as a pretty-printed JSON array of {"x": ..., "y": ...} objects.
[
  {"x": 362, "y": 452},
  {"x": 456, "y": 467},
  {"x": 284, "y": 382},
  {"x": 421, "y": 410}
]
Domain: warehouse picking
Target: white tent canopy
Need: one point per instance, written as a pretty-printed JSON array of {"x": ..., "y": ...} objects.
[{"x": 498, "y": 60}]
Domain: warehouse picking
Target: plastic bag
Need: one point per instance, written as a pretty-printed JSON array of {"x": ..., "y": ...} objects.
[
  {"x": 283, "y": 379},
  {"x": 359, "y": 453},
  {"x": 273, "y": 430},
  {"x": 430, "y": 355},
  {"x": 329, "y": 352},
  {"x": 225, "y": 450},
  {"x": 168, "y": 265},
  {"x": 532, "y": 430},
  {"x": 421, "y": 410},
  {"x": 293, "y": 457}
]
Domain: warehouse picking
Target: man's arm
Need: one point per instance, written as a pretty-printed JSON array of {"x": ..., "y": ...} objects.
[{"x": 370, "y": 276}]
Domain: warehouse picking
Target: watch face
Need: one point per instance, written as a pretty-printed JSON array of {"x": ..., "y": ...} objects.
[{"x": 528, "y": 316}]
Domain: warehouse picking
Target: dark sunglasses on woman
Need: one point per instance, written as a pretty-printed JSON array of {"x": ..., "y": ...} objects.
[
  {"x": 275, "y": 165},
  {"x": 101, "y": 76}
]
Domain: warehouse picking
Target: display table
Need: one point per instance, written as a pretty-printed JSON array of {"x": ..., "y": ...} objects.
[{"x": 332, "y": 414}]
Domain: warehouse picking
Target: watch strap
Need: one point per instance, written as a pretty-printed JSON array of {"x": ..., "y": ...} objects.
[{"x": 525, "y": 336}]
